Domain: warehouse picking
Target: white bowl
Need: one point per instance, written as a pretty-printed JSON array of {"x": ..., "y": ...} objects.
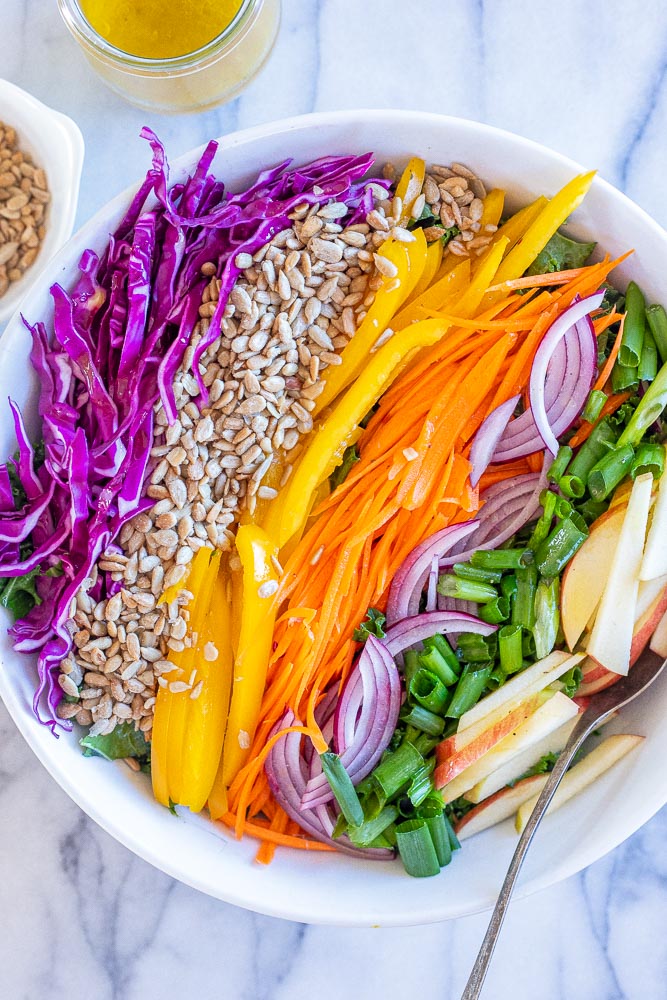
[
  {"x": 56, "y": 144},
  {"x": 322, "y": 887}
]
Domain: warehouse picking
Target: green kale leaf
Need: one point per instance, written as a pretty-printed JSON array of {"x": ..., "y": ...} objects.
[
  {"x": 124, "y": 741},
  {"x": 373, "y": 624},
  {"x": 561, "y": 254}
]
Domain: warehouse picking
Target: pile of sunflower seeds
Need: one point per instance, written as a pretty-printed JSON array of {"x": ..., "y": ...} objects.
[
  {"x": 292, "y": 311},
  {"x": 24, "y": 197}
]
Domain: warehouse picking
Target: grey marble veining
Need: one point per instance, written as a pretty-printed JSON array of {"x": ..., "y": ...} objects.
[{"x": 81, "y": 917}]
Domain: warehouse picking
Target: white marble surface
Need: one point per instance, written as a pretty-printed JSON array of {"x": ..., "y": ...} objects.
[{"x": 81, "y": 917}]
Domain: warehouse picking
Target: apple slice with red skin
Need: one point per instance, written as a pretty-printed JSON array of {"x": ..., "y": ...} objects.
[
  {"x": 583, "y": 774},
  {"x": 499, "y": 807}
]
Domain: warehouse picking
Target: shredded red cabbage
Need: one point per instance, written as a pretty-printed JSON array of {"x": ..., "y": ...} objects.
[{"x": 110, "y": 352}]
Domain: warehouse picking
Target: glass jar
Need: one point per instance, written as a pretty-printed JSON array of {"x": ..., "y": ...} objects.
[{"x": 211, "y": 75}]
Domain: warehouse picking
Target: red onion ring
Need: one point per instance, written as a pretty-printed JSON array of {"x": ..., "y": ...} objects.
[
  {"x": 407, "y": 632},
  {"x": 488, "y": 436}
]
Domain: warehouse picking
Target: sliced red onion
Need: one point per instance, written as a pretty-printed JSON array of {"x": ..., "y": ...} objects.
[
  {"x": 412, "y": 574},
  {"x": 456, "y": 604},
  {"x": 561, "y": 377},
  {"x": 286, "y": 771},
  {"x": 431, "y": 591},
  {"x": 409, "y": 631},
  {"x": 488, "y": 436},
  {"x": 374, "y": 725}
]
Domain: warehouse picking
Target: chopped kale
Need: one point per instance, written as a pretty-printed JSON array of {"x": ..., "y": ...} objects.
[
  {"x": 373, "y": 624},
  {"x": 561, "y": 254},
  {"x": 124, "y": 741}
]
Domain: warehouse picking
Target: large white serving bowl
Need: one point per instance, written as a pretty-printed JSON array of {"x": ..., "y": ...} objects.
[{"x": 324, "y": 887}]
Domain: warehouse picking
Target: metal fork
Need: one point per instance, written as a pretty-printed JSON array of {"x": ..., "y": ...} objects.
[{"x": 601, "y": 705}]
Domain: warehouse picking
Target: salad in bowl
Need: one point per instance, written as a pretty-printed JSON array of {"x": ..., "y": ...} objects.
[{"x": 341, "y": 493}]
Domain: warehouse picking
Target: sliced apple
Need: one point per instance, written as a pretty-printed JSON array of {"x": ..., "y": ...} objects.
[
  {"x": 659, "y": 638},
  {"x": 521, "y": 686},
  {"x": 458, "y": 752},
  {"x": 610, "y": 642},
  {"x": 512, "y": 771},
  {"x": 499, "y": 807},
  {"x": 647, "y": 623},
  {"x": 584, "y": 577},
  {"x": 549, "y": 717},
  {"x": 654, "y": 562},
  {"x": 583, "y": 774}
]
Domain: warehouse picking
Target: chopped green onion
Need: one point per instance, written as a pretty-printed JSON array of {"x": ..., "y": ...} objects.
[
  {"x": 343, "y": 789},
  {"x": 509, "y": 649},
  {"x": 496, "y": 611},
  {"x": 370, "y": 829},
  {"x": 649, "y": 458},
  {"x": 547, "y": 616},
  {"x": 421, "y": 785},
  {"x": 416, "y": 848},
  {"x": 598, "y": 443},
  {"x": 433, "y": 660},
  {"x": 439, "y": 642},
  {"x": 557, "y": 550},
  {"x": 657, "y": 321},
  {"x": 633, "y": 329},
  {"x": 453, "y": 839},
  {"x": 572, "y": 486},
  {"x": 559, "y": 464},
  {"x": 594, "y": 404},
  {"x": 411, "y": 665},
  {"x": 428, "y": 690},
  {"x": 499, "y": 558},
  {"x": 427, "y": 722},
  {"x": 623, "y": 377},
  {"x": 605, "y": 476},
  {"x": 397, "y": 769},
  {"x": 437, "y": 825},
  {"x": 475, "y": 648},
  {"x": 563, "y": 507},
  {"x": 523, "y": 608},
  {"x": 465, "y": 590},
  {"x": 650, "y": 407},
  {"x": 508, "y": 586},
  {"x": 648, "y": 363},
  {"x": 468, "y": 572},
  {"x": 468, "y": 690},
  {"x": 543, "y": 525}
]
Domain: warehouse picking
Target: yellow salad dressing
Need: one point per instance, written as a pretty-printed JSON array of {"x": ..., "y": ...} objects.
[{"x": 159, "y": 29}]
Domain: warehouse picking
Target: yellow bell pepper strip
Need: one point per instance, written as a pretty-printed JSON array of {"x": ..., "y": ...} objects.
[
  {"x": 207, "y": 716},
  {"x": 468, "y": 304},
  {"x": 331, "y": 438},
  {"x": 260, "y": 582},
  {"x": 236, "y": 594},
  {"x": 171, "y": 707},
  {"x": 272, "y": 479},
  {"x": 493, "y": 208},
  {"x": 433, "y": 261},
  {"x": 517, "y": 224},
  {"x": 441, "y": 293},
  {"x": 538, "y": 234},
  {"x": 410, "y": 259},
  {"x": 410, "y": 186}
]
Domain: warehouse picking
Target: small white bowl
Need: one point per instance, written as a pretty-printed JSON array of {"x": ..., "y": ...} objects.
[
  {"x": 56, "y": 144},
  {"x": 334, "y": 888}
]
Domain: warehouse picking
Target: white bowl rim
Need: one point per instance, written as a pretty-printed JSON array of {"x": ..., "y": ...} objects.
[{"x": 260, "y": 902}]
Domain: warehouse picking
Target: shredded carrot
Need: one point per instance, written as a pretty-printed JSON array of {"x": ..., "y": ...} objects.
[
  {"x": 262, "y": 831},
  {"x": 613, "y": 354},
  {"x": 411, "y": 479}
]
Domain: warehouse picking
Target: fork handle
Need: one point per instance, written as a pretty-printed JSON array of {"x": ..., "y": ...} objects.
[{"x": 475, "y": 982}]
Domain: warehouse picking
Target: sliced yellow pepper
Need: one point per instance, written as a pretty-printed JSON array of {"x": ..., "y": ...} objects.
[
  {"x": 172, "y": 707},
  {"x": 440, "y": 293},
  {"x": 433, "y": 262},
  {"x": 330, "y": 440},
  {"x": 493, "y": 208},
  {"x": 410, "y": 186},
  {"x": 410, "y": 260},
  {"x": 205, "y": 728},
  {"x": 540, "y": 231},
  {"x": 468, "y": 304},
  {"x": 260, "y": 581}
]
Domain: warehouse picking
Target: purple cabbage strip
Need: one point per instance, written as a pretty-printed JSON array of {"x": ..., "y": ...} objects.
[{"x": 110, "y": 352}]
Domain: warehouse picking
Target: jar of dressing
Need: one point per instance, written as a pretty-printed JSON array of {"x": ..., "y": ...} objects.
[{"x": 174, "y": 55}]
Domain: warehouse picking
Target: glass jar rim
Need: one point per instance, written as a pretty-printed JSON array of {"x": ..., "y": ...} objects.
[{"x": 81, "y": 28}]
